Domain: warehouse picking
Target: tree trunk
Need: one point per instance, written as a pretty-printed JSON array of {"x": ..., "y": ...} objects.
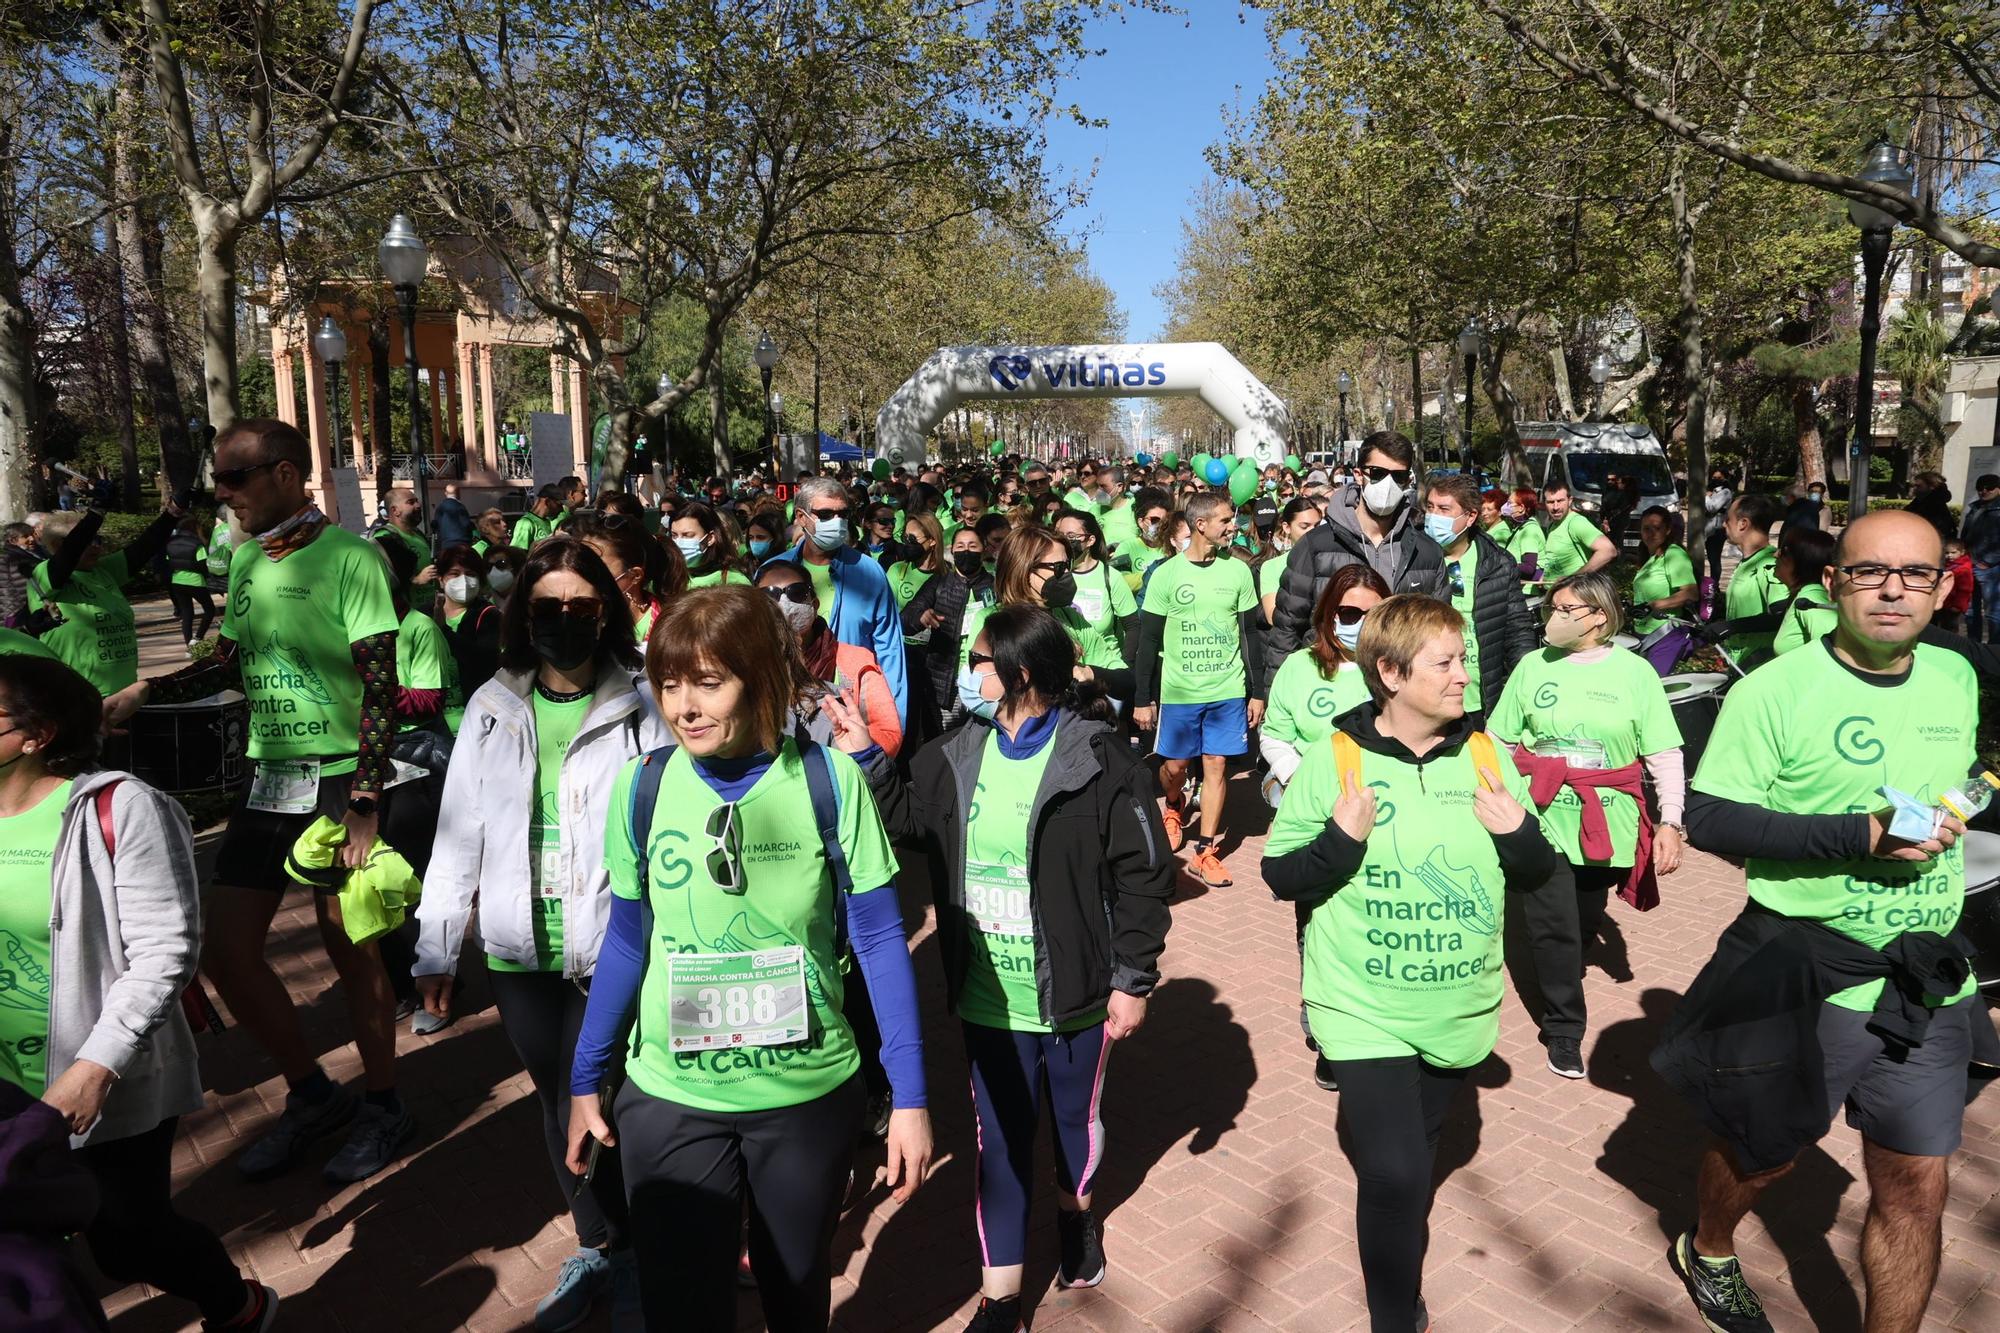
[
  {"x": 144, "y": 282},
  {"x": 17, "y": 404},
  {"x": 718, "y": 420},
  {"x": 1506, "y": 407},
  {"x": 121, "y": 370},
  {"x": 215, "y": 281},
  {"x": 1805, "y": 419},
  {"x": 1694, "y": 359}
]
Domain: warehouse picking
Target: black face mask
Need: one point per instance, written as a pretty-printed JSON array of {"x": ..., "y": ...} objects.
[
  {"x": 966, "y": 562},
  {"x": 565, "y": 642},
  {"x": 1059, "y": 591}
]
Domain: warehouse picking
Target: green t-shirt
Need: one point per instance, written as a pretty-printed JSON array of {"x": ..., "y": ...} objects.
[
  {"x": 295, "y": 622},
  {"x": 556, "y": 725},
  {"x": 1566, "y": 546},
  {"x": 97, "y": 637},
  {"x": 421, "y": 594},
  {"x": 1662, "y": 576},
  {"x": 423, "y": 658},
  {"x": 1462, "y": 576},
  {"x": 1525, "y": 539},
  {"x": 822, "y": 581},
  {"x": 192, "y": 578},
  {"x": 1806, "y": 735},
  {"x": 1000, "y": 990},
  {"x": 1269, "y": 575},
  {"x": 1120, "y": 524},
  {"x": 27, "y": 853},
  {"x": 1810, "y": 617},
  {"x": 530, "y": 528},
  {"x": 1202, "y": 650},
  {"x": 717, "y": 577},
  {"x": 1754, "y": 589},
  {"x": 1104, "y": 600},
  {"x": 1092, "y": 649},
  {"x": 1077, "y": 500},
  {"x": 787, "y": 902},
  {"x": 1603, "y": 714},
  {"x": 1303, "y": 704},
  {"x": 906, "y": 580},
  {"x": 14, "y": 641},
  {"x": 1405, "y": 959}
]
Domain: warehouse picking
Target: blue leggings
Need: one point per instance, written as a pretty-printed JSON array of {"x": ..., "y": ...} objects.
[{"x": 1008, "y": 1072}]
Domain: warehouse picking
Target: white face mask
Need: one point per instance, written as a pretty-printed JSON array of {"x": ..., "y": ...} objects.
[
  {"x": 1181, "y": 543},
  {"x": 500, "y": 580},
  {"x": 1384, "y": 497},
  {"x": 829, "y": 534},
  {"x": 799, "y": 615},
  {"x": 1281, "y": 544},
  {"x": 461, "y": 588}
]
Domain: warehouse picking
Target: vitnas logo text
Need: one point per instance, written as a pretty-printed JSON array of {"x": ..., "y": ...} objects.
[{"x": 1014, "y": 372}]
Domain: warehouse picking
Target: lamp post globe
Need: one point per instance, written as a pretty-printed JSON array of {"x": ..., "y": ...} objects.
[
  {"x": 403, "y": 257},
  {"x": 1885, "y": 166}
]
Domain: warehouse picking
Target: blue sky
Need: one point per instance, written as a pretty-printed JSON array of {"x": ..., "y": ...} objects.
[{"x": 1166, "y": 83}]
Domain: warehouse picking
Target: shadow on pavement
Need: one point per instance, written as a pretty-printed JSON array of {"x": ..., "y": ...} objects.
[{"x": 1655, "y": 1151}]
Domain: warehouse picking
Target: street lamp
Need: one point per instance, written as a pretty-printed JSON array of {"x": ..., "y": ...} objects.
[
  {"x": 1346, "y": 386},
  {"x": 403, "y": 258},
  {"x": 1600, "y": 371},
  {"x": 1468, "y": 347},
  {"x": 331, "y": 343},
  {"x": 1885, "y": 166},
  {"x": 766, "y": 357}
]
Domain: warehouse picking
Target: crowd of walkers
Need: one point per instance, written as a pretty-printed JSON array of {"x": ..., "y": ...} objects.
[{"x": 658, "y": 768}]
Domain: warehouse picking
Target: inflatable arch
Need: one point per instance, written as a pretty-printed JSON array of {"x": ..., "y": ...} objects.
[{"x": 1101, "y": 370}]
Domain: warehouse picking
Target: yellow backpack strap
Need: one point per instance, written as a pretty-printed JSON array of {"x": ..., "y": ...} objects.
[
  {"x": 1485, "y": 756},
  {"x": 1346, "y": 760}
]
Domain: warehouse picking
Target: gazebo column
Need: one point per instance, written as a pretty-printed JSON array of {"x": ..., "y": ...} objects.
[
  {"x": 468, "y": 418},
  {"x": 319, "y": 434},
  {"x": 284, "y": 386},
  {"x": 490, "y": 427},
  {"x": 579, "y": 418}
]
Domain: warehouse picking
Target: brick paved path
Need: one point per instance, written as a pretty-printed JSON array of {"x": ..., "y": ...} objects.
[{"x": 1228, "y": 1205}]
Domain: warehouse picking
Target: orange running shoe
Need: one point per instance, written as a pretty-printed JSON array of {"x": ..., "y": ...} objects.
[
  {"x": 1208, "y": 868},
  {"x": 1172, "y": 816}
]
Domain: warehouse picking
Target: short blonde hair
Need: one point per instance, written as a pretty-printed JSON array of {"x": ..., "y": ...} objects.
[
  {"x": 1597, "y": 591},
  {"x": 1396, "y": 630}
]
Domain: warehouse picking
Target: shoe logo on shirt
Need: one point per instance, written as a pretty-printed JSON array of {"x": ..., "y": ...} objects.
[{"x": 1855, "y": 741}]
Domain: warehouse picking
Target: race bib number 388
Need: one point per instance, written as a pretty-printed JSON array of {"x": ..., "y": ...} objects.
[{"x": 720, "y": 1000}]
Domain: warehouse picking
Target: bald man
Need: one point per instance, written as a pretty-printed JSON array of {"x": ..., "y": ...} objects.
[{"x": 1792, "y": 784}]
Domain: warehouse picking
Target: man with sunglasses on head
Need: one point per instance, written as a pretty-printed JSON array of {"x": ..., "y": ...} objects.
[
  {"x": 309, "y": 637},
  {"x": 853, "y": 590},
  {"x": 1370, "y": 524},
  {"x": 1844, "y": 982}
]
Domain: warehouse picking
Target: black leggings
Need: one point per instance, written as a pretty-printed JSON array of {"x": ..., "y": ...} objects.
[
  {"x": 138, "y": 1237},
  {"x": 541, "y": 1013},
  {"x": 184, "y": 599},
  {"x": 1562, "y": 917},
  {"x": 1391, "y": 1114},
  {"x": 686, "y": 1173}
]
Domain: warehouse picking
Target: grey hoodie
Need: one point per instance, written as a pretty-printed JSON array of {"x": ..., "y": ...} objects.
[{"x": 124, "y": 943}]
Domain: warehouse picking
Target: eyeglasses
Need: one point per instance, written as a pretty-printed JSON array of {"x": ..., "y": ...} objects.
[
  {"x": 724, "y": 861},
  {"x": 235, "y": 476},
  {"x": 789, "y": 592},
  {"x": 586, "y": 608},
  {"x": 1916, "y": 578},
  {"x": 1400, "y": 474},
  {"x": 1573, "y": 610},
  {"x": 1349, "y": 615}
]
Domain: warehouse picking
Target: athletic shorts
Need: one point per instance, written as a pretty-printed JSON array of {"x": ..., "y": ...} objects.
[
  {"x": 254, "y": 846},
  {"x": 1909, "y": 1100},
  {"x": 1190, "y": 730}
]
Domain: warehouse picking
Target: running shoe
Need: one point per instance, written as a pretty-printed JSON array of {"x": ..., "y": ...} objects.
[
  {"x": 1565, "y": 1056},
  {"x": 1323, "y": 1074},
  {"x": 584, "y": 1277},
  {"x": 1208, "y": 868},
  {"x": 374, "y": 1142},
  {"x": 427, "y": 1024},
  {"x": 300, "y": 1125},
  {"x": 257, "y": 1316},
  {"x": 1001, "y": 1316},
  {"x": 1720, "y": 1295},
  {"x": 1423, "y": 1315},
  {"x": 1173, "y": 816},
  {"x": 1081, "y": 1247}
]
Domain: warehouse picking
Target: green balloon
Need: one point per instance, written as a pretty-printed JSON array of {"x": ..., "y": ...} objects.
[
  {"x": 996, "y": 448},
  {"x": 880, "y": 469},
  {"x": 1243, "y": 485},
  {"x": 1295, "y": 463},
  {"x": 1170, "y": 460},
  {"x": 1242, "y": 461},
  {"x": 1201, "y": 462}
]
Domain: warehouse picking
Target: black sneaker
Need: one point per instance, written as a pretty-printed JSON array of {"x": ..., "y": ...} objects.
[
  {"x": 1323, "y": 1074},
  {"x": 300, "y": 1125},
  {"x": 1001, "y": 1316},
  {"x": 1082, "y": 1249},
  {"x": 1721, "y": 1297},
  {"x": 1566, "y": 1056},
  {"x": 1423, "y": 1316},
  {"x": 375, "y": 1141}
]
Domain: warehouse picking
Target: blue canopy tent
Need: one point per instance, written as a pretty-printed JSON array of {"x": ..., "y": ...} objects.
[{"x": 838, "y": 451}]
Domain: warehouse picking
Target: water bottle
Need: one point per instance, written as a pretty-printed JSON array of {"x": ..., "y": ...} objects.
[{"x": 1968, "y": 798}]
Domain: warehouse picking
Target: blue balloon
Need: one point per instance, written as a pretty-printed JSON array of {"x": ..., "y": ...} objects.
[
  {"x": 1217, "y": 471},
  {"x": 1143, "y": 460}
]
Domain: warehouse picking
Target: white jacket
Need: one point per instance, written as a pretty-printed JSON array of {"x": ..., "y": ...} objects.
[{"x": 482, "y": 837}]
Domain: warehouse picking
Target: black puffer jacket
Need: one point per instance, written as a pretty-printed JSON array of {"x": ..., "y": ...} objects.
[
  {"x": 948, "y": 594},
  {"x": 1501, "y": 620},
  {"x": 1408, "y": 562},
  {"x": 1097, "y": 858}
]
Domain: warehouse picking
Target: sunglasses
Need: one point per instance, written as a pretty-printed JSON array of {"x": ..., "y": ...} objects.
[
  {"x": 233, "y": 477},
  {"x": 1051, "y": 567},
  {"x": 978, "y": 659},
  {"x": 1348, "y": 615},
  {"x": 724, "y": 860},
  {"x": 584, "y": 608},
  {"x": 789, "y": 592},
  {"x": 1401, "y": 474},
  {"x": 827, "y": 515}
]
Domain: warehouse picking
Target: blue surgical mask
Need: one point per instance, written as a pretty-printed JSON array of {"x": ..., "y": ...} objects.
[
  {"x": 829, "y": 534},
  {"x": 1442, "y": 530},
  {"x": 971, "y": 699},
  {"x": 1349, "y": 635},
  {"x": 689, "y": 547},
  {"x": 760, "y": 548}
]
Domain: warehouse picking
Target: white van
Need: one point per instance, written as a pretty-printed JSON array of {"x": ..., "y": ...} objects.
[{"x": 1583, "y": 454}]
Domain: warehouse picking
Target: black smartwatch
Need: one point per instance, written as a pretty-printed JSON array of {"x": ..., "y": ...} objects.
[{"x": 363, "y": 805}]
